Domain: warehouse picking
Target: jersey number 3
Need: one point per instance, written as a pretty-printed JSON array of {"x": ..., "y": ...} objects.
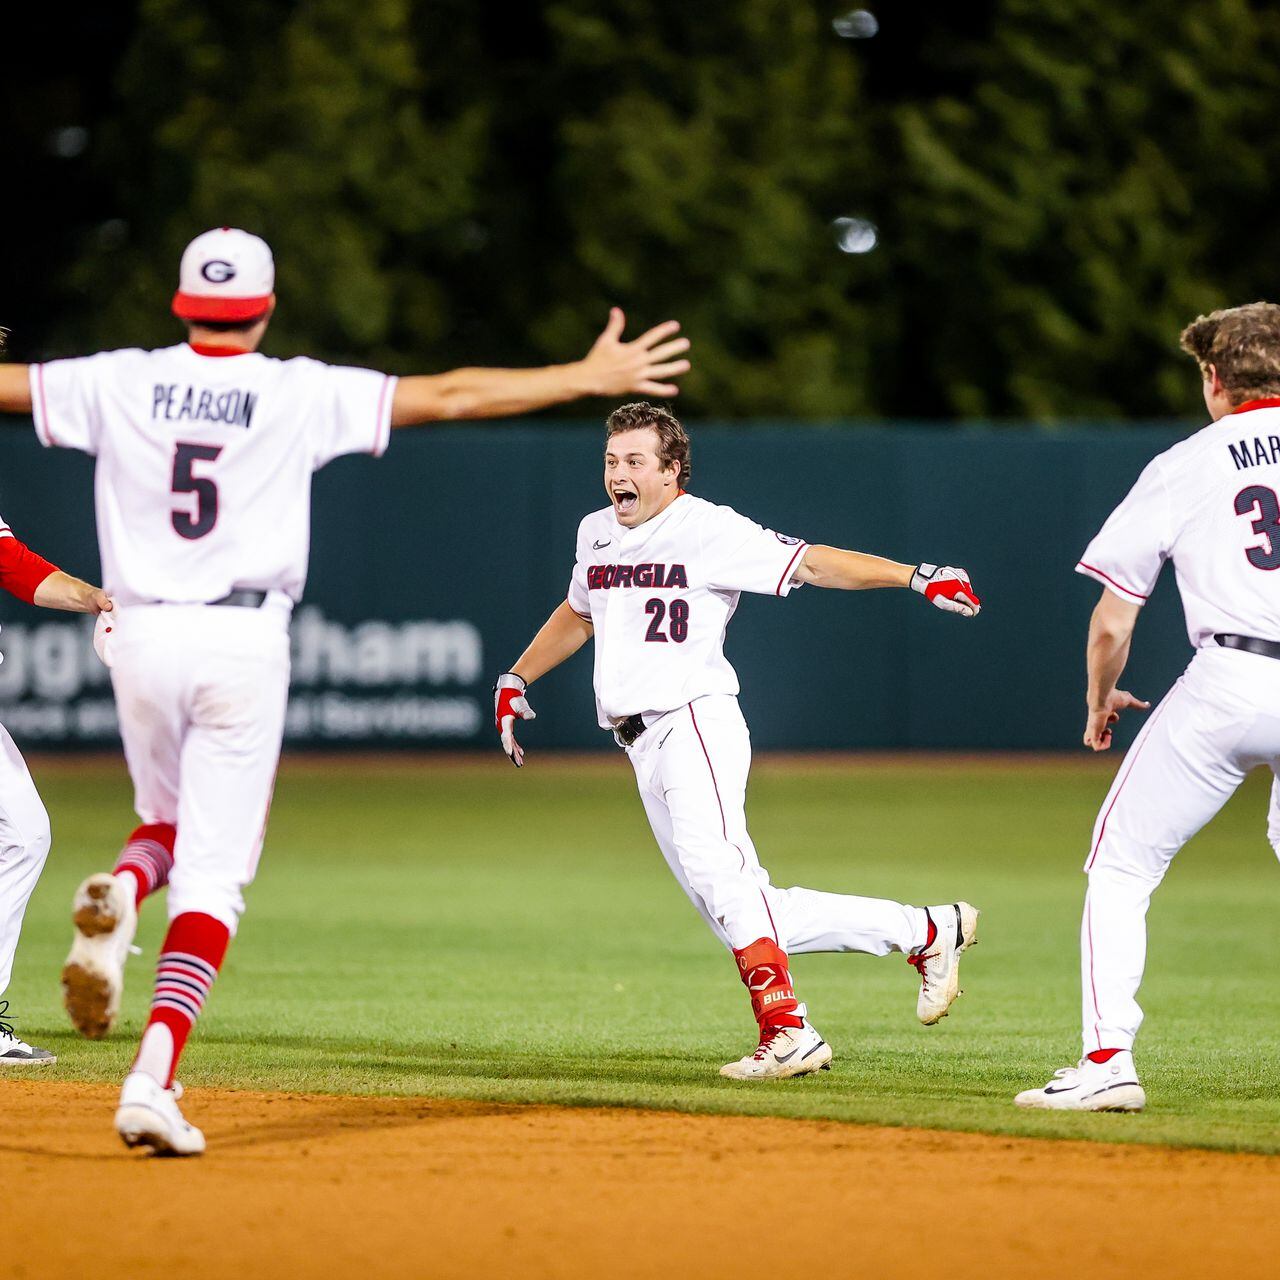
[
  {"x": 1264, "y": 500},
  {"x": 185, "y": 480},
  {"x": 677, "y": 624}
]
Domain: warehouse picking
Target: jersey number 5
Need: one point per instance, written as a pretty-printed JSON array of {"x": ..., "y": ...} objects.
[
  {"x": 1263, "y": 500},
  {"x": 185, "y": 480},
  {"x": 677, "y": 626}
]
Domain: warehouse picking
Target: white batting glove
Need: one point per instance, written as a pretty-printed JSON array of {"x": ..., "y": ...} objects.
[
  {"x": 947, "y": 588},
  {"x": 510, "y": 705}
]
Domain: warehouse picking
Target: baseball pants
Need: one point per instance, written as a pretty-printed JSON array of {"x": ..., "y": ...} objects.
[
  {"x": 201, "y": 692},
  {"x": 24, "y": 845},
  {"x": 691, "y": 767},
  {"x": 1221, "y": 719}
]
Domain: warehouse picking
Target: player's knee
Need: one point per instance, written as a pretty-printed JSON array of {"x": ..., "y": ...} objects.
[{"x": 1132, "y": 878}]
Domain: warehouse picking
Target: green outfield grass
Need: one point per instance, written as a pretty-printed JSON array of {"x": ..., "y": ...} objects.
[{"x": 467, "y": 931}]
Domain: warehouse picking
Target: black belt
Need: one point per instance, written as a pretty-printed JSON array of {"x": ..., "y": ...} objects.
[
  {"x": 243, "y": 598},
  {"x": 1250, "y": 644},
  {"x": 630, "y": 729}
]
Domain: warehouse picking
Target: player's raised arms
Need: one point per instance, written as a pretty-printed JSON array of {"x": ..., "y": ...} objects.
[
  {"x": 612, "y": 367},
  {"x": 646, "y": 366},
  {"x": 204, "y": 456}
]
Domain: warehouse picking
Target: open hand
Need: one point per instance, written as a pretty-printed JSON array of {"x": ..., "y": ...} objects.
[{"x": 613, "y": 367}]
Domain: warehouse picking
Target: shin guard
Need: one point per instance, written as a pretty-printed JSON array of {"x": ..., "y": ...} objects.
[{"x": 763, "y": 968}]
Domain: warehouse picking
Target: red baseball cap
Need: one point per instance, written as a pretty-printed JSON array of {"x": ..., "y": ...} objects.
[{"x": 226, "y": 275}]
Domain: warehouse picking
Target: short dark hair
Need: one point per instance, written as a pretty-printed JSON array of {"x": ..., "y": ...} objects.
[
  {"x": 1243, "y": 345},
  {"x": 225, "y": 326},
  {"x": 673, "y": 439}
]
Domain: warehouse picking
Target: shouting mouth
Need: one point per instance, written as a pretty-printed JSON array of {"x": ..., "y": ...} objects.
[{"x": 625, "y": 501}]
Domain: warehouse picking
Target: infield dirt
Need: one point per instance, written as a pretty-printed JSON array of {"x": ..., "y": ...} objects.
[{"x": 307, "y": 1185}]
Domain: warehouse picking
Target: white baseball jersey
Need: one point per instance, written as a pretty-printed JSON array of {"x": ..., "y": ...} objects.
[
  {"x": 1211, "y": 504},
  {"x": 660, "y": 596},
  {"x": 204, "y": 462}
]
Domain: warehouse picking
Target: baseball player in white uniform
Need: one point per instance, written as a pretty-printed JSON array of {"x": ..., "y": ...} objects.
[
  {"x": 1211, "y": 505},
  {"x": 658, "y": 576},
  {"x": 205, "y": 453},
  {"x": 24, "y": 824}
]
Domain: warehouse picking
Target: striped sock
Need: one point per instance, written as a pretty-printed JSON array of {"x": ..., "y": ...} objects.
[
  {"x": 147, "y": 856},
  {"x": 189, "y": 962}
]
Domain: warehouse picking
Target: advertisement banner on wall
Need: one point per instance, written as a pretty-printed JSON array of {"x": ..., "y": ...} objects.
[{"x": 418, "y": 681}]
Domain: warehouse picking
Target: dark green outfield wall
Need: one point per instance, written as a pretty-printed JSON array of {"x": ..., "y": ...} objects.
[{"x": 432, "y": 567}]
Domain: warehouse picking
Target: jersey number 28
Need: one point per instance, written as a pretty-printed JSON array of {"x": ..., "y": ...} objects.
[
  {"x": 185, "y": 480},
  {"x": 677, "y": 620}
]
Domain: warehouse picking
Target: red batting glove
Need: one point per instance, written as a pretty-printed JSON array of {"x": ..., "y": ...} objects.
[
  {"x": 510, "y": 705},
  {"x": 947, "y": 588}
]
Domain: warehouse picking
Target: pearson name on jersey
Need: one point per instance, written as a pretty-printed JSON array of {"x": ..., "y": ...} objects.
[
  {"x": 660, "y": 596},
  {"x": 175, "y": 403}
]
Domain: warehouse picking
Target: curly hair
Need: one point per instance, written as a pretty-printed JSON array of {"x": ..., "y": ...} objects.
[
  {"x": 1243, "y": 345},
  {"x": 673, "y": 439}
]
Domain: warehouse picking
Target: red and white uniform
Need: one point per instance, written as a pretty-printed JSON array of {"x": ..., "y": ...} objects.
[
  {"x": 202, "y": 488},
  {"x": 659, "y": 597},
  {"x": 1211, "y": 505},
  {"x": 24, "y": 824},
  {"x": 204, "y": 462}
]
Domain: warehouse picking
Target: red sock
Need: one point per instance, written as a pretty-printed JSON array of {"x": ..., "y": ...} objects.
[
  {"x": 763, "y": 966},
  {"x": 1102, "y": 1055},
  {"x": 189, "y": 961},
  {"x": 147, "y": 856}
]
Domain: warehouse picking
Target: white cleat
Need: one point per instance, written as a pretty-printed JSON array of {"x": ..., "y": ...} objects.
[
  {"x": 18, "y": 1053},
  {"x": 106, "y": 919},
  {"x": 1090, "y": 1086},
  {"x": 939, "y": 963},
  {"x": 782, "y": 1053},
  {"x": 148, "y": 1116}
]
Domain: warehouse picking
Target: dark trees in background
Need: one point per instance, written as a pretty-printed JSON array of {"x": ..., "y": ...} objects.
[{"x": 1058, "y": 185}]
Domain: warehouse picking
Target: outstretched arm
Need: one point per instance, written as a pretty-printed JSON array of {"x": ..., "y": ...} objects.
[
  {"x": 15, "y": 388},
  {"x": 942, "y": 586},
  {"x": 29, "y": 576},
  {"x": 611, "y": 368},
  {"x": 559, "y": 638},
  {"x": 61, "y": 591},
  {"x": 851, "y": 570},
  {"x": 1110, "y": 634}
]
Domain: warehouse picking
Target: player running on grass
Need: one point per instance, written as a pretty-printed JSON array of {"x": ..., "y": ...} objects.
[
  {"x": 205, "y": 453},
  {"x": 658, "y": 576},
  {"x": 24, "y": 825},
  {"x": 1211, "y": 504}
]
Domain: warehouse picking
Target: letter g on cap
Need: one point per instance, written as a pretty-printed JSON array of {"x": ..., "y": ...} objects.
[{"x": 218, "y": 271}]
